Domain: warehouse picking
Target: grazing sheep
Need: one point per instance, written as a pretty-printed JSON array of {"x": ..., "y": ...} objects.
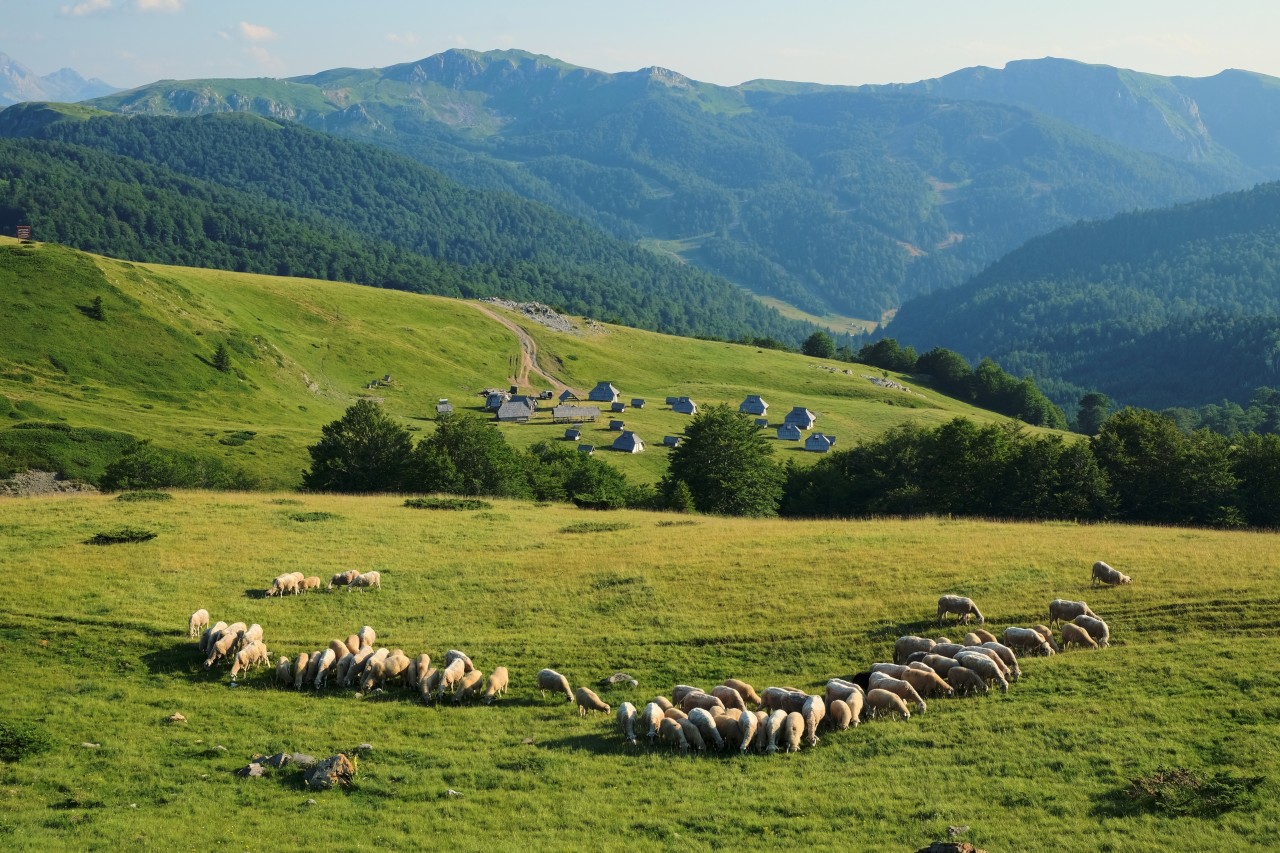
[
  {"x": 838, "y": 688},
  {"x": 682, "y": 690},
  {"x": 298, "y": 578},
  {"x": 284, "y": 672},
  {"x": 210, "y": 636},
  {"x": 962, "y": 607},
  {"x": 451, "y": 675},
  {"x": 626, "y": 721},
  {"x": 352, "y": 643},
  {"x": 366, "y": 636},
  {"x": 355, "y": 667},
  {"x": 1047, "y": 632},
  {"x": 839, "y": 715},
  {"x": 990, "y": 655},
  {"x": 761, "y": 739},
  {"x": 773, "y": 728},
  {"x": 927, "y": 682},
  {"x": 651, "y": 718},
  {"x": 342, "y": 578},
  {"x": 1026, "y": 640},
  {"x": 707, "y": 727},
  {"x": 397, "y": 666},
  {"x": 894, "y": 669},
  {"x": 325, "y": 668},
  {"x": 675, "y": 714},
  {"x": 363, "y": 581},
  {"x": 882, "y": 701},
  {"x": 549, "y": 679},
  {"x": 748, "y": 727},
  {"x": 673, "y": 735},
  {"x": 1006, "y": 656},
  {"x": 792, "y": 729},
  {"x": 197, "y": 623},
  {"x": 220, "y": 649},
  {"x": 300, "y": 670},
  {"x": 1073, "y": 634},
  {"x": 248, "y": 657},
  {"x": 341, "y": 668},
  {"x": 965, "y": 680},
  {"x": 310, "y": 583},
  {"x": 700, "y": 700},
  {"x": 663, "y": 702},
  {"x": 949, "y": 650},
  {"x": 693, "y": 735},
  {"x": 784, "y": 698},
  {"x": 1097, "y": 629},
  {"x": 423, "y": 663},
  {"x": 498, "y": 685},
  {"x": 939, "y": 663},
  {"x": 984, "y": 635},
  {"x": 469, "y": 686},
  {"x": 1107, "y": 575},
  {"x": 280, "y": 585},
  {"x": 729, "y": 697},
  {"x": 730, "y": 730},
  {"x": 1063, "y": 610},
  {"x": 745, "y": 690},
  {"x": 971, "y": 639},
  {"x": 453, "y": 654},
  {"x": 812, "y": 712},
  {"x": 235, "y": 629},
  {"x": 984, "y": 667},
  {"x": 339, "y": 649},
  {"x": 428, "y": 683},
  {"x": 880, "y": 681},
  {"x": 904, "y": 646},
  {"x": 588, "y": 701}
]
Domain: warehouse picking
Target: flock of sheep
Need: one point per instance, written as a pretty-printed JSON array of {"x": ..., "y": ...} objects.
[
  {"x": 295, "y": 582},
  {"x": 692, "y": 719}
]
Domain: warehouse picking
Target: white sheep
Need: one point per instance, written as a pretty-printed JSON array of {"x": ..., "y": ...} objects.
[
  {"x": 985, "y": 667},
  {"x": 1047, "y": 632},
  {"x": 366, "y": 580},
  {"x": 310, "y": 583},
  {"x": 1026, "y": 639},
  {"x": 300, "y": 670},
  {"x": 549, "y": 679},
  {"x": 698, "y": 699},
  {"x": 894, "y": 669},
  {"x": 1097, "y": 629},
  {"x": 284, "y": 672},
  {"x": 313, "y": 666},
  {"x": 1075, "y": 635},
  {"x": 745, "y": 690},
  {"x": 984, "y": 635},
  {"x": 880, "y": 681},
  {"x": 729, "y": 697},
  {"x": 498, "y": 685},
  {"x": 940, "y": 663},
  {"x": 881, "y": 701},
  {"x": 692, "y": 735},
  {"x": 949, "y": 650},
  {"x": 197, "y": 623},
  {"x": 748, "y": 726},
  {"x": 730, "y": 731},
  {"x": 453, "y": 654},
  {"x": 588, "y": 701},
  {"x": 342, "y": 668},
  {"x": 962, "y": 607},
  {"x": 682, "y": 690},
  {"x": 249, "y": 635},
  {"x": 673, "y": 735},
  {"x": 761, "y": 740},
  {"x": 989, "y": 654},
  {"x": 904, "y": 646},
  {"x": 343, "y": 578},
  {"x": 663, "y": 702},
  {"x": 251, "y": 655},
  {"x": 627, "y": 722},
  {"x": 468, "y": 687},
  {"x": 1108, "y": 576},
  {"x": 707, "y": 727},
  {"x": 773, "y": 728},
  {"x": 926, "y": 681},
  {"x": 428, "y": 684},
  {"x": 450, "y": 676},
  {"x": 792, "y": 729},
  {"x": 397, "y": 666},
  {"x": 813, "y": 712},
  {"x": 325, "y": 668},
  {"x": 782, "y": 698},
  {"x": 221, "y": 648},
  {"x": 675, "y": 714},
  {"x": 355, "y": 667},
  {"x": 838, "y": 688},
  {"x": 210, "y": 635},
  {"x": 1063, "y": 610},
  {"x": 280, "y": 585},
  {"x": 366, "y": 636},
  {"x": 1007, "y": 656},
  {"x": 965, "y": 680},
  {"x": 651, "y": 718}
]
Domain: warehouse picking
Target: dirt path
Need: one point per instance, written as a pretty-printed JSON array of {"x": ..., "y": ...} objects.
[{"x": 528, "y": 351}]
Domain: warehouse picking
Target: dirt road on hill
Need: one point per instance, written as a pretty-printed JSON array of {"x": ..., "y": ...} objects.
[{"x": 528, "y": 352}]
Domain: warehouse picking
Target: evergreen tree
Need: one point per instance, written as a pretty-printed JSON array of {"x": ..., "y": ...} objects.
[
  {"x": 363, "y": 451},
  {"x": 819, "y": 345},
  {"x": 1094, "y": 408},
  {"x": 222, "y": 358},
  {"x": 96, "y": 311},
  {"x": 727, "y": 465}
]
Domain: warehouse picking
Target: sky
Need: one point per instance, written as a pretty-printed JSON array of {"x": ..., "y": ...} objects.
[{"x": 132, "y": 42}]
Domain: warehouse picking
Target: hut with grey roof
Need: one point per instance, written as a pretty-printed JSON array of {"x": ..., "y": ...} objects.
[
  {"x": 684, "y": 406},
  {"x": 572, "y": 434},
  {"x": 564, "y": 414},
  {"x": 629, "y": 442},
  {"x": 800, "y": 417},
  {"x": 588, "y": 449},
  {"x": 789, "y": 432},
  {"x": 819, "y": 442},
  {"x": 604, "y": 392},
  {"x": 515, "y": 411},
  {"x": 671, "y": 441},
  {"x": 637, "y": 402},
  {"x": 754, "y": 405},
  {"x": 617, "y": 426}
]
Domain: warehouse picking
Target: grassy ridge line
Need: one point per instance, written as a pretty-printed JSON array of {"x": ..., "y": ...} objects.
[
  {"x": 303, "y": 351},
  {"x": 774, "y": 602}
]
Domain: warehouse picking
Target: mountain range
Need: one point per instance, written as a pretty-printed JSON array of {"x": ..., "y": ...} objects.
[{"x": 19, "y": 83}]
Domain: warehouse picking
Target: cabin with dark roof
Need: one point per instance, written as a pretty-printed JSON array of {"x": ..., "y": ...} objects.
[
  {"x": 762, "y": 422},
  {"x": 800, "y": 417},
  {"x": 604, "y": 392},
  {"x": 754, "y": 405},
  {"x": 684, "y": 406},
  {"x": 789, "y": 432},
  {"x": 637, "y": 402},
  {"x": 819, "y": 442},
  {"x": 567, "y": 394},
  {"x": 572, "y": 434},
  {"x": 617, "y": 426},
  {"x": 618, "y": 407},
  {"x": 629, "y": 442},
  {"x": 588, "y": 449},
  {"x": 671, "y": 441}
]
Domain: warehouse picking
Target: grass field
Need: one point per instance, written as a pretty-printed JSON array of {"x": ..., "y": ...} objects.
[
  {"x": 302, "y": 351},
  {"x": 93, "y": 646}
]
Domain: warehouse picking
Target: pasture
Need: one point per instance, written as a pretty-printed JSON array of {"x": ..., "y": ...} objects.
[{"x": 94, "y": 650}]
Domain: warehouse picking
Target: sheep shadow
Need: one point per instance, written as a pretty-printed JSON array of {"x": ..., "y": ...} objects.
[
  {"x": 595, "y": 744},
  {"x": 256, "y": 592},
  {"x": 179, "y": 659}
]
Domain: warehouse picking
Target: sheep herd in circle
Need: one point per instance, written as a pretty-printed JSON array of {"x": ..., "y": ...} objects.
[{"x": 692, "y": 720}]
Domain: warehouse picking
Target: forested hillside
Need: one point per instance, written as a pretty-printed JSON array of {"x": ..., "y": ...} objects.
[
  {"x": 827, "y": 198},
  {"x": 243, "y": 193},
  {"x": 1173, "y": 307}
]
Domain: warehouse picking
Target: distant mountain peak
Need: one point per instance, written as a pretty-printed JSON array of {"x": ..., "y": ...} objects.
[{"x": 19, "y": 83}]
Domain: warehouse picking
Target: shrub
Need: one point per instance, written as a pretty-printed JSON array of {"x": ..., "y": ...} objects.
[
  {"x": 143, "y": 495},
  {"x": 447, "y": 503},
  {"x": 1183, "y": 792},
  {"x": 596, "y": 527},
  {"x": 121, "y": 535},
  {"x": 18, "y": 740},
  {"x": 313, "y": 516}
]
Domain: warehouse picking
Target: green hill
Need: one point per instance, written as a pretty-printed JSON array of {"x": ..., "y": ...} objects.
[
  {"x": 1172, "y": 307},
  {"x": 831, "y": 199},
  {"x": 302, "y": 351}
]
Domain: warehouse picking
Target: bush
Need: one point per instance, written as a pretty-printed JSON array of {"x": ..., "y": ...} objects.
[
  {"x": 447, "y": 503},
  {"x": 1182, "y": 792},
  {"x": 313, "y": 516},
  {"x": 121, "y": 535},
  {"x": 137, "y": 496},
  {"x": 18, "y": 740},
  {"x": 596, "y": 527}
]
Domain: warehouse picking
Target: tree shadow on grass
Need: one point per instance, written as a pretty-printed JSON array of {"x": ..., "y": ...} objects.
[{"x": 178, "y": 659}]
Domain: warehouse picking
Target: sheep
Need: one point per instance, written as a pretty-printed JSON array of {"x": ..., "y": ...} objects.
[
  {"x": 984, "y": 635},
  {"x": 939, "y": 663},
  {"x": 773, "y": 728},
  {"x": 965, "y": 680},
  {"x": 729, "y": 730},
  {"x": 839, "y": 715},
  {"x": 904, "y": 646},
  {"x": 663, "y": 702},
  {"x": 990, "y": 655},
  {"x": 1072, "y": 633},
  {"x": 675, "y": 714},
  {"x": 235, "y": 629},
  {"x": 423, "y": 663},
  {"x": 497, "y": 685},
  {"x": 343, "y": 578},
  {"x": 1063, "y": 610},
  {"x": 761, "y": 739},
  {"x": 1007, "y": 656},
  {"x": 962, "y": 607},
  {"x": 280, "y": 585},
  {"x": 745, "y": 690},
  {"x": 368, "y": 579},
  {"x": 451, "y": 675},
  {"x": 298, "y": 578},
  {"x": 339, "y": 649},
  {"x": 251, "y": 655},
  {"x": 693, "y": 735},
  {"x": 949, "y": 650},
  {"x": 626, "y": 721},
  {"x": 355, "y": 667},
  {"x": 880, "y": 681},
  {"x": 284, "y": 672},
  {"x": 1108, "y": 576},
  {"x": 453, "y": 654},
  {"x": 855, "y": 700},
  {"x": 549, "y": 679},
  {"x": 730, "y": 714},
  {"x": 352, "y": 643},
  {"x": 651, "y": 718},
  {"x": 984, "y": 667},
  {"x": 882, "y": 701},
  {"x": 927, "y": 682},
  {"x": 748, "y": 727},
  {"x": 1097, "y": 629},
  {"x": 210, "y": 635},
  {"x": 428, "y": 683},
  {"x": 838, "y": 688},
  {"x": 784, "y": 698},
  {"x": 894, "y": 669},
  {"x": 813, "y": 712},
  {"x": 1026, "y": 639},
  {"x": 300, "y": 670},
  {"x": 971, "y": 639},
  {"x": 469, "y": 686},
  {"x": 197, "y": 623},
  {"x": 310, "y": 583},
  {"x": 220, "y": 649},
  {"x": 341, "y": 668},
  {"x": 1047, "y": 632},
  {"x": 673, "y": 735},
  {"x": 325, "y": 668},
  {"x": 366, "y": 636},
  {"x": 700, "y": 700},
  {"x": 682, "y": 690},
  {"x": 792, "y": 729},
  {"x": 729, "y": 697},
  {"x": 707, "y": 726},
  {"x": 397, "y": 666}
]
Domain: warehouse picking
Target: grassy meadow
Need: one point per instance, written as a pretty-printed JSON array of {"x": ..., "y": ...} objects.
[
  {"x": 302, "y": 351},
  {"x": 94, "y": 650}
]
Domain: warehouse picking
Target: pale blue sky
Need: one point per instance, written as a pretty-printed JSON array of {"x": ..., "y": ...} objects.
[{"x": 132, "y": 42}]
